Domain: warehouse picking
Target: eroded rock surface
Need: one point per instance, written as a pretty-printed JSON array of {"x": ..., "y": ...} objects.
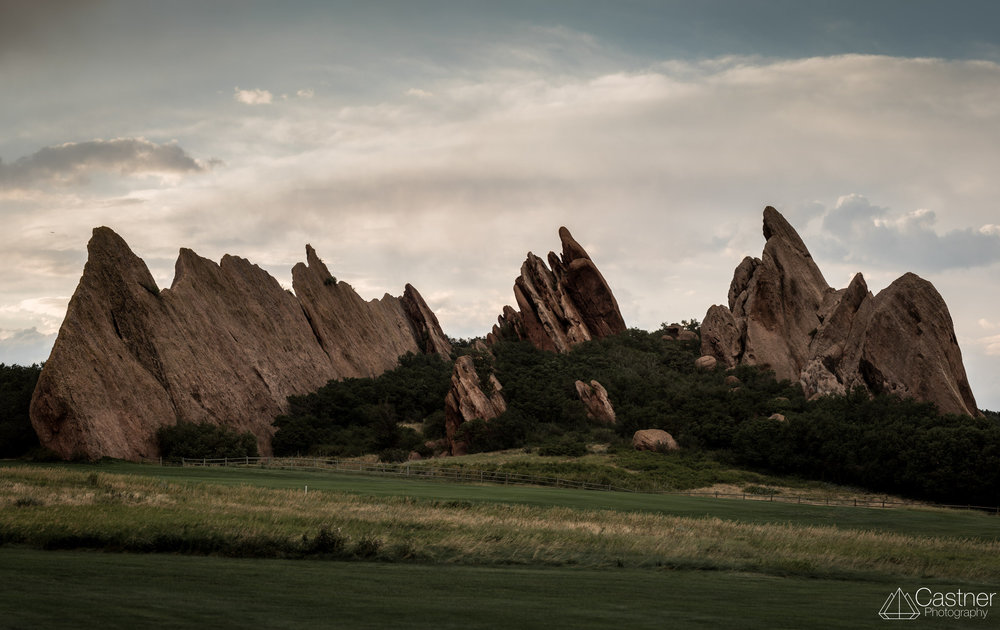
[
  {"x": 783, "y": 315},
  {"x": 562, "y": 303},
  {"x": 595, "y": 398},
  {"x": 470, "y": 398},
  {"x": 224, "y": 344}
]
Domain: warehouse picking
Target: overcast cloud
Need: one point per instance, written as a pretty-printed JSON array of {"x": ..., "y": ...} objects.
[
  {"x": 438, "y": 149},
  {"x": 72, "y": 162}
]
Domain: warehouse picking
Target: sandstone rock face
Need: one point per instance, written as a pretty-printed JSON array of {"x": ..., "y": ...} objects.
[
  {"x": 653, "y": 440},
  {"x": 783, "y": 315},
  {"x": 224, "y": 344},
  {"x": 468, "y": 399},
  {"x": 561, "y": 306},
  {"x": 595, "y": 398}
]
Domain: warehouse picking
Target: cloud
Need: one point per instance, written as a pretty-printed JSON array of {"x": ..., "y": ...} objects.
[
  {"x": 253, "y": 97},
  {"x": 417, "y": 92},
  {"x": 305, "y": 93},
  {"x": 72, "y": 162},
  {"x": 991, "y": 345},
  {"x": 858, "y": 231},
  {"x": 25, "y": 346}
]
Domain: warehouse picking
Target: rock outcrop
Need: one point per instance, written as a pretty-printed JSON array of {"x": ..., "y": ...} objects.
[
  {"x": 224, "y": 344},
  {"x": 561, "y": 306},
  {"x": 654, "y": 440},
  {"x": 784, "y": 316},
  {"x": 470, "y": 399},
  {"x": 595, "y": 398}
]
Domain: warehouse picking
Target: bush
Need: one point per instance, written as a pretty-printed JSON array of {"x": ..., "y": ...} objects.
[
  {"x": 565, "y": 447},
  {"x": 17, "y": 384},
  {"x": 194, "y": 440}
]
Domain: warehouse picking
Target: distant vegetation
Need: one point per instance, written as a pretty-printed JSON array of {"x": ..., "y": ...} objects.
[
  {"x": 363, "y": 415},
  {"x": 17, "y": 383},
  {"x": 883, "y": 444},
  {"x": 193, "y": 440}
]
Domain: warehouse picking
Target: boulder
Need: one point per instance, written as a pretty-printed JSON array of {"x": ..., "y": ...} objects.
[
  {"x": 225, "y": 344},
  {"x": 706, "y": 362},
  {"x": 776, "y": 417},
  {"x": 469, "y": 399},
  {"x": 654, "y": 440},
  {"x": 595, "y": 399},
  {"x": 782, "y": 315},
  {"x": 560, "y": 304}
]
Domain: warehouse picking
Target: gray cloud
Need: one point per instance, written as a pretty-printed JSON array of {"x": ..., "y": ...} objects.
[
  {"x": 70, "y": 163},
  {"x": 24, "y": 347},
  {"x": 858, "y": 231}
]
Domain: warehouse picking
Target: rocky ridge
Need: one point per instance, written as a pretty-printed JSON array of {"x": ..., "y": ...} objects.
[
  {"x": 224, "y": 344},
  {"x": 561, "y": 304},
  {"x": 783, "y": 315}
]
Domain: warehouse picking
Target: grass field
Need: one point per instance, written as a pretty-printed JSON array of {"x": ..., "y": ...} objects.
[
  {"x": 80, "y": 589},
  {"x": 435, "y": 554}
]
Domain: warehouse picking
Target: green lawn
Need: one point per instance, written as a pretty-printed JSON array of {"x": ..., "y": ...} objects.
[
  {"x": 913, "y": 521},
  {"x": 86, "y": 589},
  {"x": 487, "y": 556}
]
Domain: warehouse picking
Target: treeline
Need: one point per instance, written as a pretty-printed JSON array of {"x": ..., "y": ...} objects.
[
  {"x": 369, "y": 415},
  {"x": 885, "y": 444},
  {"x": 17, "y": 383}
]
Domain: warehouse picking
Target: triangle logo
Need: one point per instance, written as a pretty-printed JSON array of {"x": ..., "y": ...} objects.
[{"x": 899, "y": 605}]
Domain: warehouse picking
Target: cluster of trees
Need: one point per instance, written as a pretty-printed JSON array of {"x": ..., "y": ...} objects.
[
  {"x": 369, "y": 415},
  {"x": 194, "y": 440},
  {"x": 883, "y": 443},
  {"x": 17, "y": 383}
]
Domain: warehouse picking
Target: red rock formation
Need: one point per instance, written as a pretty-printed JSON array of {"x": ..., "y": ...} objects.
[
  {"x": 595, "y": 398},
  {"x": 784, "y": 316},
  {"x": 469, "y": 399},
  {"x": 224, "y": 344},
  {"x": 564, "y": 305}
]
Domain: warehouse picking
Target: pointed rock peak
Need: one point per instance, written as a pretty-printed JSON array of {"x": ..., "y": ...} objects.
[
  {"x": 315, "y": 264},
  {"x": 190, "y": 265},
  {"x": 108, "y": 255},
  {"x": 775, "y": 226},
  {"x": 106, "y": 242},
  {"x": 571, "y": 250}
]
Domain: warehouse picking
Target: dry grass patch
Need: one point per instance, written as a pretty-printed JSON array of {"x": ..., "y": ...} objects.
[{"x": 63, "y": 508}]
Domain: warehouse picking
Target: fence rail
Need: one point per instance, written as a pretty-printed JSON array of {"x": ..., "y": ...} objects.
[{"x": 510, "y": 478}]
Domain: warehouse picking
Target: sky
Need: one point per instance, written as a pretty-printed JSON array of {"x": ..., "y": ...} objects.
[{"x": 436, "y": 143}]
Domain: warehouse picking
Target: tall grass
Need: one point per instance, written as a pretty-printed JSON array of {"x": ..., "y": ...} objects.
[{"x": 62, "y": 508}]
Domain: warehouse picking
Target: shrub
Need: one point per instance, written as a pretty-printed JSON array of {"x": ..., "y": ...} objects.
[
  {"x": 194, "y": 440},
  {"x": 17, "y": 383}
]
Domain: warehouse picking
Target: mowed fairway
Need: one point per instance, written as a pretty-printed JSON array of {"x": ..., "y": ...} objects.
[
  {"x": 59, "y": 589},
  {"x": 415, "y": 553}
]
